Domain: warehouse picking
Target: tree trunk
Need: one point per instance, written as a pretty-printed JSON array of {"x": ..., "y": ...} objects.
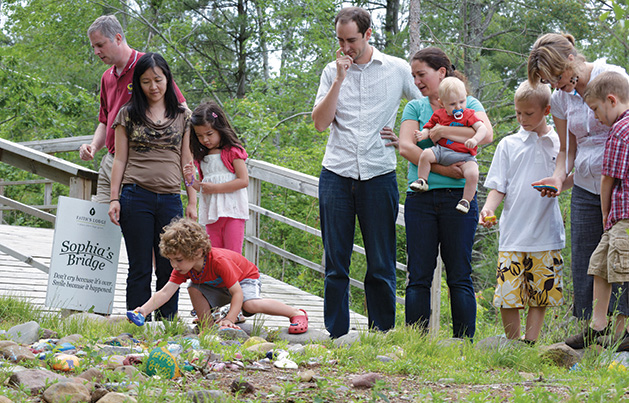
[
  {"x": 391, "y": 20},
  {"x": 241, "y": 43},
  {"x": 414, "y": 21}
]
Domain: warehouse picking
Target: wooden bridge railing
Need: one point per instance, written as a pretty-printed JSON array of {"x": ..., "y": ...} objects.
[{"x": 82, "y": 182}]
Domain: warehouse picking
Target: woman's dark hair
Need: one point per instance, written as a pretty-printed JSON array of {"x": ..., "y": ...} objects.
[
  {"x": 138, "y": 105},
  {"x": 436, "y": 58},
  {"x": 209, "y": 113}
]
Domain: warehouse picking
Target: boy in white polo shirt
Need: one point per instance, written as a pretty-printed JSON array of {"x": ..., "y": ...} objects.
[{"x": 531, "y": 227}]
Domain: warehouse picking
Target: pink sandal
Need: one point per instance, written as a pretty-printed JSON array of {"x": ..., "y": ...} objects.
[{"x": 298, "y": 323}]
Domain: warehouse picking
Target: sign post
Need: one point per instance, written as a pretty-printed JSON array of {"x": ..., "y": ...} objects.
[{"x": 84, "y": 259}]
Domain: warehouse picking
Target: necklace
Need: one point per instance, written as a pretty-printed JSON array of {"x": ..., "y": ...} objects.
[{"x": 193, "y": 274}]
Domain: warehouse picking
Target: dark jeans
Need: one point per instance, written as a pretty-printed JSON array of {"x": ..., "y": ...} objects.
[
  {"x": 143, "y": 214},
  {"x": 433, "y": 223},
  {"x": 586, "y": 230},
  {"x": 375, "y": 202}
]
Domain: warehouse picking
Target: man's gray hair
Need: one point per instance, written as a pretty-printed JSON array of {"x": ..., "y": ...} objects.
[{"x": 108, "y": 26}]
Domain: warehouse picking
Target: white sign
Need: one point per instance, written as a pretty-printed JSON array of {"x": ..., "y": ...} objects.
[{"x": 84, "y": 259}]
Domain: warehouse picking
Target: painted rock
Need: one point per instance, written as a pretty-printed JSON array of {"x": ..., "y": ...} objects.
[
  {"x": 163, "y": 363},
  {"x": 65, "y": 362}
]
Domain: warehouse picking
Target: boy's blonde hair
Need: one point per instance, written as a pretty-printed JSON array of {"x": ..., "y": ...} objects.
[
  {"x": 527, "y": 93},
  {"x": 550, "y": 57},
  {"x": 451, "y": 85},
  {"x": 184, "y": 236},
  {"x": 608, "y": 82}
]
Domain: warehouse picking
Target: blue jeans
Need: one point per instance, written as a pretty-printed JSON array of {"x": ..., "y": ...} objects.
[
  {"x": 143, "y": 214},
  {"x": 433, "y": 223},
  {"x": 376, "y": 203},
  {"x": 586, "y": 230}
]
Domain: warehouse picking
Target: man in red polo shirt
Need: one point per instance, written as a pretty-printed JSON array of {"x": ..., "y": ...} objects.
[{"x": 109, "y": 43}]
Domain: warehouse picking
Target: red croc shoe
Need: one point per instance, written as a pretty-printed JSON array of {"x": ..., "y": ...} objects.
[{"x": 298, "y": 323}]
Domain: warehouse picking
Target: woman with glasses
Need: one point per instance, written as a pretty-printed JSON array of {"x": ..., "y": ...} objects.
[{"x": 555, "y": 60}]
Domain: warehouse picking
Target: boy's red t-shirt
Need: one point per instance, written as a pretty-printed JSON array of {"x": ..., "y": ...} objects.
[{"x": 223, "y": 268}]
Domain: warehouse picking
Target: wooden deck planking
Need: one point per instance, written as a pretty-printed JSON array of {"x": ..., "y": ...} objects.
[{"x": 22, "y": 280}]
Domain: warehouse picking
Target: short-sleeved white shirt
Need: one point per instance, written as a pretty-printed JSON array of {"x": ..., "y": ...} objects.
[
  {"x": 529, "y": 222},
  {"x": 590, "y": 134},
  {"x": 368, "y": 101}
]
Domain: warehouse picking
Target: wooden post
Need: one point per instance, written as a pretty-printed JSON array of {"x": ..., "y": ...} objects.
[
  {"x": 80, "y": 188},
  {"x": 47, "y": 193},
  {"x": 435, "y": 300},
  {"x": 252, "y": 228},
  {"x": 1, "y": 194}
]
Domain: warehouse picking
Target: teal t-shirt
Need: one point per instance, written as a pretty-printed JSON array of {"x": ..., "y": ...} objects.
[{"x": 421, "y": 111}]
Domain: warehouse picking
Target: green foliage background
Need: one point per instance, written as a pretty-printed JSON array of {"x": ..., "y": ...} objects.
[{"x": 262, "y": 60}]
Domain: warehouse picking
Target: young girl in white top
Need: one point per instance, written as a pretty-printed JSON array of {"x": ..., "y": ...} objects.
[{"x": 220, "y": 158}]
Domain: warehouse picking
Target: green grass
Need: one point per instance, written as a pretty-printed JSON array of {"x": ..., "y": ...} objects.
[{"x": 421, "y": 367}]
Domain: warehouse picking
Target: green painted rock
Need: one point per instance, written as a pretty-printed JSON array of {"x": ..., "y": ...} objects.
[{"x": 161, "y": 362}]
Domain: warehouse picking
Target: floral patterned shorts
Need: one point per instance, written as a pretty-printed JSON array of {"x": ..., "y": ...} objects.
[{"x": 529, "y": 279}]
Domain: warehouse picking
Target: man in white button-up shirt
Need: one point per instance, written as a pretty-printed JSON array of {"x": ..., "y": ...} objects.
[{"x": 358, "y": 98}]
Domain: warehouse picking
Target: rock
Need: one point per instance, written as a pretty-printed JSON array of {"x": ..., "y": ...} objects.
[
  {"x": 5, "y": 343},
  {"x": 132, "y": 373},
  {"x": 347, "y": 340},
  {"x": 98, "y": 393},
  {"x": 133, "y": 359},
  {"x": 115, "y": 361},
  {"x": 205, "y": 396},
  {"x": 496, "y": 343},
  {"x": 306, "y": 376},
  {"x": 453, "y": 341},
  {"x": 311, "y": 335},
  {"x": 65, "y": 362},
  {"x": 5, "y": 400},
  {"x": 26, "y": 333},
  {"x": 285, "y": 363},
  {"x": 561, "y": 354},
  {"x": 366, "y": 380},
  {"x": 261, "y": 348},
  {"x": 232, "y": 334},
  {"x": 622, "y": 357},
  {"x": 114, "y": 350},
  {"x": 67, "y": 392},
  {"x": 115, "y": 397},
  {"x": 12, "y": 369},
  {"x": 253, "y": 340},
  {"x": 48, "y": 334},
  {"x": 71, "y": 339},
  {"x": 17, "y": 353},
  {"x": 241, "y": 386},
  {"x": 161, "y": 362},
  {"x": 35, "y": 380},
  {"x": 92, "y": 374},
  {"x": 384, "y": 358}
]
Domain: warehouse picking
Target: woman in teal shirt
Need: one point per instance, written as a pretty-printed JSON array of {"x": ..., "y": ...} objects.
[{"x": 432, "y": 222}]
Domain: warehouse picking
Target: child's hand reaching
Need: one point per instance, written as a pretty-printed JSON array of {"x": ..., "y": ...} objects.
[
  {"x": 189, "y": 172},
  {"x": 227, "y": 323},
  {"x": 471, "y": 143}
]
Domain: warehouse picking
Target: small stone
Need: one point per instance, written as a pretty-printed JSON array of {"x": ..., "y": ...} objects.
[
  {"x": 35, "y": 380},
  {"x": 116, "y": 397},
  {"x": 528, "y": 376},
  {"x": 347, "y": 340},
  {"x": 383, "y": 358},
  {"x": 252, "y": 341},
  {"x": 446, "y": 380},
  {"x": 26, "y": 333},
  {"x": 561, "y": 354},
  {"x": 81, "y": 317},
  {"x": 92, "y": 374},
  {"x": 48, "y": 334},
  {"x": 17, "y": 353},
  {"x": 65, "y": 362},
  {"x": 366, "y": 380},
  {"x": 232, "y": 334},
  {"x": 72, "y": 339},
  {"x": 67, "y": 392},
  {"x": 132, "y": 372},
  {"x": 306, "y": 376},
  {"x": 261, "y": 348},
  {"x": 497, "y": 343},
  {"x": 205, "y": 396},
  {"x": 98, "y": 393},
  {"x": 6, "y": 343},
  {"x": 4, "y": 399},
  {"x": 285, "y": 363},
  {"x": 242, "y": 386},
  {"x": 114, "y": 361}
]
